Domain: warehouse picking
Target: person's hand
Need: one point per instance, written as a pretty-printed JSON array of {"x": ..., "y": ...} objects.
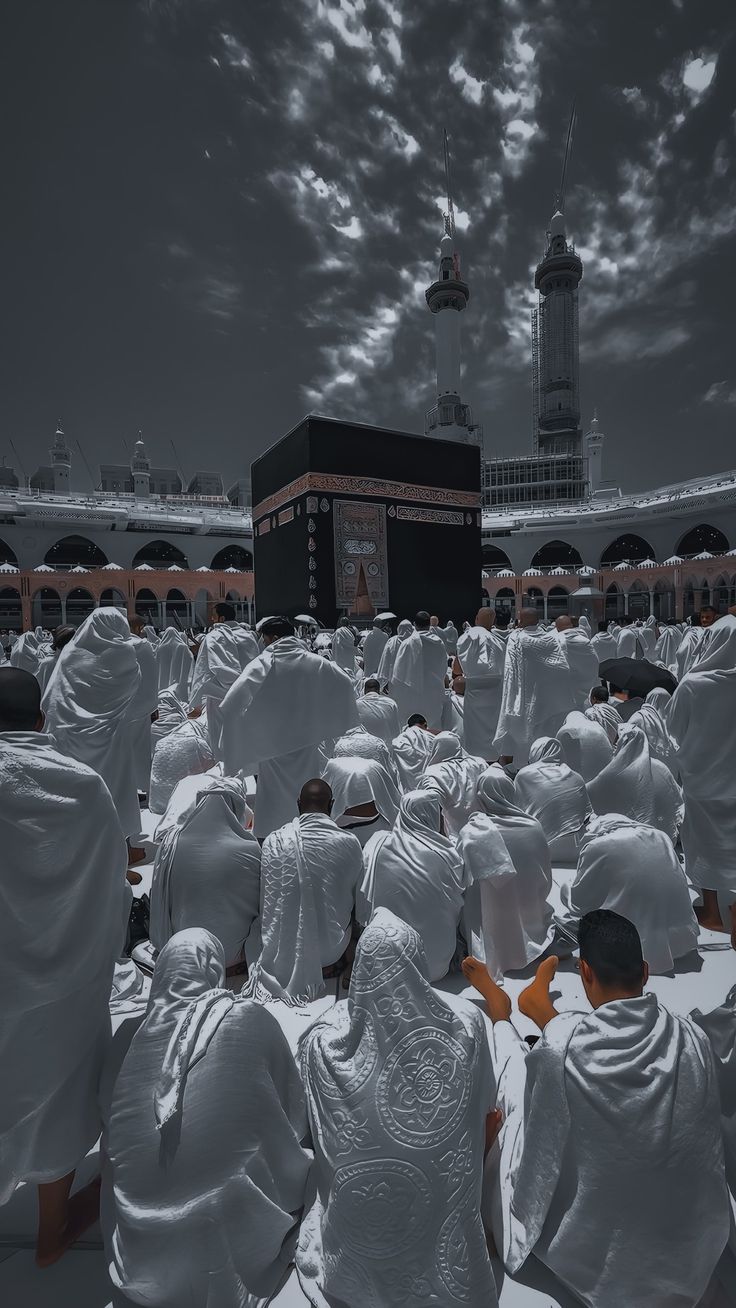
[
  {"x": 494, "y": 1122},
  {"x": 195, "y": 713}
]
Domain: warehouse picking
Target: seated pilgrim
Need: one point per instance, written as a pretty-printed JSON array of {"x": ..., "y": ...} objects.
[
  {"x": 365, "y": 796},
  {"x": 634, "y": 870},
  {"x": 603, "y": 712},
  {"x": 185, "y": 751},
  {"x": 586, "y": 745},
  {"x": 359, "y": 743},
  {"x": 204, "y": 1171},
  {"x": 207, "y": 873},
  {"x": 720, "y": 1028},
  {"x": 548, "y": 790},
  {"x": 398, "y": 1088},
  {"x": 378, "y": 713},
  {"x": 416, "y": 872},
  {"x": 62, "y": 926},
  {"x": 310, "y": 871},
  {"x": 508, "y": 917},
  {"x": 46, "y": 664},
  {"x": 652, "y": 718},
  {"x": 637, "y": 785},
  {"x": 609, "y": 1162},
  {"x": 453, "y": 776},
  {"x": 412, "y": 748}
]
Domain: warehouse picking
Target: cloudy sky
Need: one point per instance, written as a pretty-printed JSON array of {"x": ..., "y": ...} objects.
[{"x": 221, "y": 215}]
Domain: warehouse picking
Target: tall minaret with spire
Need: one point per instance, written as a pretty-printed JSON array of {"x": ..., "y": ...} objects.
[
  {"x": 61, "y": 462},
  {"x": 447, "y": 298},
  {"x": 555, "y": 352},
  {"x": 140, "y": 467},
  {"x": 594, "y": 439}
]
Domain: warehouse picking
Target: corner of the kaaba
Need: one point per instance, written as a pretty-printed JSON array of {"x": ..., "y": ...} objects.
[{"x": 350, "y": 519}]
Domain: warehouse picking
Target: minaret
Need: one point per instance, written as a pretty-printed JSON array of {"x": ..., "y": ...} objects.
[
  {"x": 140, "y": 466},
  {"x": 61, "y": 462},
  {"x": 447, "y": 298},
  {"x": 594, "y": 439}
]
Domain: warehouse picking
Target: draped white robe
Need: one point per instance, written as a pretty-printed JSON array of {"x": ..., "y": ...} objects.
[
  {"x": 412, "y": 750},
  {"x": 183, "y": 752},
  {"x": 418, "y": 681},
  {"x": 373, "y": 647},
  {"x": 720, "y": 1028},
  {"x": 586, "y": 746},
  {"x": 638, "y": 786},
  {"x": 144, "y": 705},
  {"x": 665, "y": 651},
  {"x": 379, "y": 715},
  {"x": 358, "y": 781},
  {"x": 452, "y": 775},
  {"x": 390, "y": 651},
  {"x": 223, "y": 655},
  {"x": 481, "y": 655},
  {"x": 345, "y": 650},
  {"x": 548, "y": 790},
  {"x": 537, "y": 691},
  {"x": 606, "y": 716},
  {"x": 604, "y": 645},
  {"x": 583, "y": 663},
  {"x": 174, "y": 663}
]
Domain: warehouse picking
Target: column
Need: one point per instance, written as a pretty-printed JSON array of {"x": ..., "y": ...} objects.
[
  {"x": 651, "y": 602},
  {"x": 626, "y": 601},
  {"x": 162, "y": 614},
  {"x": 544, "y": 601},
  {"x": 62, "y": 600}
]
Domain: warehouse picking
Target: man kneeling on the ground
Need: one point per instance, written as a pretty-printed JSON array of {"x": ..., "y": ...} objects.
[{"x": 609, "y": 1165}]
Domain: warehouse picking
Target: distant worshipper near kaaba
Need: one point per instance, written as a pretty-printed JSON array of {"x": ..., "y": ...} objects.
[
  {"x": 481, "y": 653},
  {"x": 629, "y": 1203},
  {"x": 391, "y": 650},
  {"x": 420, "y": 672},
  {"x": 373, "y": 647},
  {"x": 63, "y": 910},
  {"x": 378, "y": 713},
  {"x": 538, "y": 690}
]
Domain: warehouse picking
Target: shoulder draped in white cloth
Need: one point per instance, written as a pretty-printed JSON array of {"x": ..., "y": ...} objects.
[
  {"x": 720, "y": 1028},
  {"x": 418, "y": 681},
  {"x": 89, "y": 703},
  {"x": 379, "y": 715},
  {"x": 417, "y": 873},
  {"x": 390, "y": 651},
  {"x": 28, "y": 649},
  {"x": 398, "y": 1087},
  {"x": 638, "y": 786},
  {"x": 144, "y": 705},
  {"x": 62, "y": 896},
  {"x": 452, "y": 775},
  {"x": 605, "y": 716},
  {"x": 583, "y": 661},
  {"x": 373, "y": 647},
  {"x": 183, "y": 752},
  {"x": 665, "y": 651},
  {"x": 481, "y": 655},
  {"x": 207, "y": 1173},
  {"x": 358, "y": 781},
  {"x": 586, "y": 746},
  {"x": 537, "y": 691},
  {"x": 174, "y": 663},
  {"x": 650, "y": 718},
  {"x": 412, "y": 750},
  {"x": 344, "y": 650},
  {"x": 548, "y": 790},
  {"x": 605, "y": 646},
  {"x": 633, "y": 870}
]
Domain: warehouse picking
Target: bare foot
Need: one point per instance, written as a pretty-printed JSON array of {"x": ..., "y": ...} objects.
[
  {"x": 133, "y": 878},
  {"x": 710, "y": 921},
  {"x": 136, "y": 854},
  {"x": 534, "y": 1001},
  {"x": 84, "y": 1211},
  {"x": 498, "y": 1002}
]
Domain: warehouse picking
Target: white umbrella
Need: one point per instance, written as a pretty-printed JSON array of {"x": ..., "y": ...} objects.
[
  {"x": 385, "y": 617},
  {"x": 306, "y": 620}
]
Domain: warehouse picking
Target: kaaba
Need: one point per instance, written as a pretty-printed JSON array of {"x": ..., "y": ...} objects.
[{"x": 353, "y": 520}]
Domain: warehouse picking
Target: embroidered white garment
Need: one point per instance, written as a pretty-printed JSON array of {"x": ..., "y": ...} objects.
[
  {"x": 633, "y": 870},
  {"x": 379, "y": 715},
  {"x": 606, "y": 716},
  {"x": 583, "y": 662},
  {"x": 418, "y": 680},
  {"x": 548, "y": 790},
  {"x": 89, "y": 703},
  {"x": 417, "y": 873},
  {"x": 412, "y": 750},
  {"x": 205, "y": 1174},
  {"x": 398, "y": 1087},
  {"x": 185, "y": 751},
  {"x": 481, "y": 655},
  {"x": 390, "y": 650},
  {"x": 586, "y": 746},
  {"x": 310, "y": 871},
  {"x": 611, "y": 1128},
  {"x": 207, "y": 872},
  {"x": 452, "y": 775},
  {"x": 537, "y": 691},
  {"x": 638, "y": 786},
  {"x": 359, "y": 743},
  {"x": 62, "y": 895},
  {"x": 174, "y": 663}
]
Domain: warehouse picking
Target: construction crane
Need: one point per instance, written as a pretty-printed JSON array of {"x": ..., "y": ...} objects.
[
  {"x": 560, "y": 198},
  {"x": 450, "y": 215}
]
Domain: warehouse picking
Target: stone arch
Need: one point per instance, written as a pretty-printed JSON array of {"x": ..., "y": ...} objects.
[
  {"x": 46, "y": 608},
  {"x": 493, "y": 557},
  {"x": 664, "y": 600},
  {"x": 233, "y": 556},
  {"x": 557, "y": 554},
  {"x": 112, "y": 596},
  {"x": 533, "y": 599},
  {"x": 79, "y": 605},
  {"x": 177, "y": 606},
  {"x": 146, "y": 606},
  {"x": 75, "y": 551},
  {"x": 613, "y": 604},
  {"x": 627, "y": 548},
  {"x": 7, "y": 555},
  {"x": 558, "y": 599},
  {"x": 505, "y": 599},
  {"x": 11, "y": 609},
  {"x": 702, "y": 537},
  {"x": 638, "y": 600},
  {"x": 720, "y": 593},
  {"x": 160, "y": 554}
]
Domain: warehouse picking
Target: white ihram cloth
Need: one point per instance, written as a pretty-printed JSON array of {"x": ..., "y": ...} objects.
[
  {"x": 586, "y": 745},
  {"x": 665, "y": 651},
  {"x": 611, "y": 1130},
  {"x": 633, "y": 870},
  {"x": 171, "y": 713},
  {"x": 373, "y": 647},
  {"x": 452, "y": 775},
  {"x": 506, "y": 857},
  {"x": 418, "y": 681},
  {"x": 390, "y": 651},
  {"x": 358, "y": 781},
  {"x": 143, "y": 706},
  {"x": 412, "y": 750},
  {"x": 605, "y": 646},
  {"x": 174, "y": 663},
  {"x": 45, "y": 667},
  {"x": 417, "y": 873},
  {"x": 606, "y": 716},
  {"x": 548, "y": 790},
  {"x": 537, "y": 691},
  {"x": 481, "y": 655},
  {"x": 398, "y": 1087},
  {"x": 274, "y": 720},
  {"x": 688, "y": 650},
  {"x": 359, "y": 743},
  {"x": 184, "y": 800},
  {"x": 651, "y": 718},
  {"x": 638, "y": 786},
  {"x": 379, "y": 715},
  {"x": 310, "y": 871},
  {"x": 700, "y": 720},
  {"x": 344, "y": 650},
  {"x": 720, "y": 1028},
  {"x": 151, "y": 635},
  {"x": 449, "y": 634},
  {"x": 648, "y": 637},
  {"x": 205, "y": 1174},
  {"x": 28, "y": 649},
  {"x": 89, "y": 702},
  {"x": 629, "y": 643},
  {"x": 62, "y": 894},
  {"x": 207, "y": 872},
  {"x": 583, "y": 663},
  {"x": 184, "y": 752},
  {"x": 224, "y": 653}
]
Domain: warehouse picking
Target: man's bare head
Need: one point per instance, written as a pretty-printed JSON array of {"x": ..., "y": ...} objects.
[
  {"x": 136, "y": 624},
  {"x": 315, "y": 796},
  {"x": 485, "y": 618},
  {"x": 528, "y": 618},
  {"x": 434, "y": 621},
  {"x": 564, "y": 622},
  {"x": 20, "y": 701}
]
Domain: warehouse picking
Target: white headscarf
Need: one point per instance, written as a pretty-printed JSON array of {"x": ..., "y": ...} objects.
[
  {"x": 453, "y": 775},
  {"x": 184, "y": 751},
  {"x": 584, "y": 624},
  {"x": 379, "y": 715},
  {"x": 356, "y": 781},
  {"x": 652, "y": 722},
  {"x": 412, "y": 751},
  {"x": 585, "y": 745},
  {"x": 359, "y": 743},
  {"x": 550, "y": 791},
  {"x": 174, "y": 663},
  {"x": 391, "y": 649},
  {"x": 637, "y": 786},
  {"x": 605, "y": 716}
]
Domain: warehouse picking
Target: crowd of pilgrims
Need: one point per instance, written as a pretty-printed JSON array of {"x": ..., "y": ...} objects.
[{"x": 363, "y": 817}]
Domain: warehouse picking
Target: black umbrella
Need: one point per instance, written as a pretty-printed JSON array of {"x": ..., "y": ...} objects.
[{"x": 638, "y": 676}]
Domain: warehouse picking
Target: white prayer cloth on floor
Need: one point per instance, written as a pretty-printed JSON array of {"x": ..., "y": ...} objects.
[
  {"x": 537, "y": 691},
  {"x": 62, "y": 896},
  {"x": 310, "y": 871},
  {"x": 184, "y": 752},
  {"x": 452, "y": 775},
  {"x": 720, "y": 1028},
  {"x": 345, "y": 650},
  {"x": 507, "y": 913},
  {"x": 610, "y": 1143},
  {"x": 207, "y": 872},
  {"x": 583, "y": 663},
  {"x": 481, "y": 655},
  {"x": 650, "y": 718},
  {"x": 418, "y": 681},
  {"x": 606, "y": 716},
  {"x": 665, "y": 651},
  {"x": 205, "y": 1173},
  {"x": 412, "y": 750},
  {"x": 390, "y": 650},
  {"x": 357, "y": 781},
  {"x": 633, "y": 870},
  {"x": 417, "y": 873},
  {"x": 174, "y": 663},
  {"x": 700, "y": 720},
  {"x": 548, "y": 790},
  {"x": 605, "y": 646},
  {"x": 274, "y": 720},
  {"x": 638, "y": 786},
  {"x": 398, "y": 1087},
  {"x": 379, "y": 715},
  {"x": 373, "y": 647},
  {"x": 89, "y": 705},
  {"x": 586, "y": 746}
]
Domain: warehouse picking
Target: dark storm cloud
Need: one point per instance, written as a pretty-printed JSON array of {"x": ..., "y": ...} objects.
[{"x": 222, "y": 215}]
